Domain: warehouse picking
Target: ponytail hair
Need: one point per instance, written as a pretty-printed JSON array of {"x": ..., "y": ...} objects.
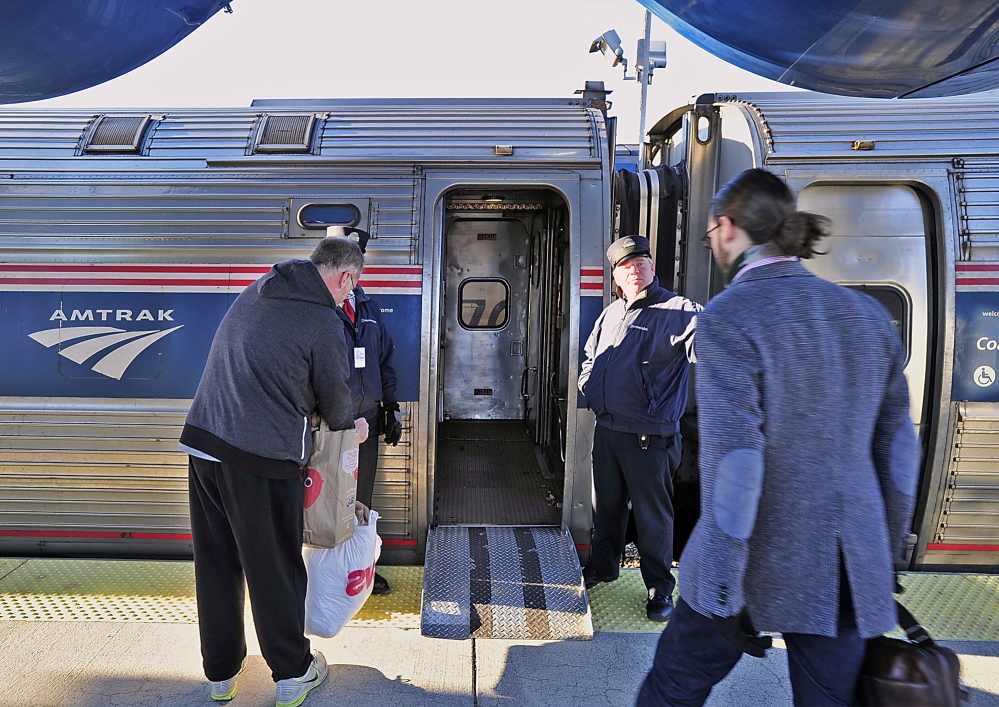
[
  {"x": 761, "y": 204},
  {"x": 798, "y": 233}
]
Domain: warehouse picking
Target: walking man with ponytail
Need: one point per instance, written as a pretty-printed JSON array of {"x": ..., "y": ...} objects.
[{"x": 808, "y": 463}]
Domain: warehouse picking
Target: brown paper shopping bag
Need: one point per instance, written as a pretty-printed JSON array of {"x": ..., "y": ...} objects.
[{"x": 330, "y": 479}]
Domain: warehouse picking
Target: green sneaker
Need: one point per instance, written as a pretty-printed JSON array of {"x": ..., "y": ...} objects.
[
  {"x": 292, "y": 692},
  {"x": 225, "y": 690}
]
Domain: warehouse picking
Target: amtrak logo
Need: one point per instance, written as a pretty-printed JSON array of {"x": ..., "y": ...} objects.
[{"x": 125, "y": 346}]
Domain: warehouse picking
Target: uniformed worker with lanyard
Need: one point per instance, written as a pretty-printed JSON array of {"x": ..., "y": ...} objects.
[
  {"x": 372, "y": 387},
  {"x": 634, "y": 379}
]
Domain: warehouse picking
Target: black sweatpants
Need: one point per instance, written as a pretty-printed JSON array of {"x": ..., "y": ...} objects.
[
  {"x": 367, "y": 460},
  {"x": 248, "y": 526},
  {"x": 623, "y": 471}
]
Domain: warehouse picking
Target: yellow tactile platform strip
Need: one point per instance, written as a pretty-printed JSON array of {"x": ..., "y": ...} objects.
[{"x": 951, "y": 606}]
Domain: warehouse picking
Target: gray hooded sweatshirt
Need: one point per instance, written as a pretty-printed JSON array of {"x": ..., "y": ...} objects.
[{"x": 278, "y": 355}]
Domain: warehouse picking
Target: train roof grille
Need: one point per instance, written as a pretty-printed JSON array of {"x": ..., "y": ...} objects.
[
  {"x": 286, "y": 133},
  {"x": 117, "y": 133}
]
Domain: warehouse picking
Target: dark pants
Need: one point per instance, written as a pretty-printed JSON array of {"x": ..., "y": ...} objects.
[
  {"x": 692, "y": 657},
  {"x": 623, "y": 471},
  {"x": 367, "y": 460},
  {"x": 248, "y": 526}
]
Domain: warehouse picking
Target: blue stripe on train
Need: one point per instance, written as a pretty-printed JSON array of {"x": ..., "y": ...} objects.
[
  {"x": 169, "y": 367},
  {"x": 589, "y": 309}
]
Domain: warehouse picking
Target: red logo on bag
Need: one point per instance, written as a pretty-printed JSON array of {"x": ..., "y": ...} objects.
[
  {"x": 313, "y": 482},
  {"x": 359, "y": 580}
]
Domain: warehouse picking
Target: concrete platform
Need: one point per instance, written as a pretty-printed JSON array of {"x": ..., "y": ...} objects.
[{"x": 153, "y": 659}]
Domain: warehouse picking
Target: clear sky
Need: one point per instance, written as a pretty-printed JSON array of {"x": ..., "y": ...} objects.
[{"x": 415, "y": 48}]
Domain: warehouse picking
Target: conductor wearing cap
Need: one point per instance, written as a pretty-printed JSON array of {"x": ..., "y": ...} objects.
[{"x": 634, "y": 379}]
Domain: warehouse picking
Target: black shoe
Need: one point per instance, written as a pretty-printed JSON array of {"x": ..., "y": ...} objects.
[
  {"x": 659, "y": 608},
  {"x": 592, "y": 578},
  {"x": 380, "y": 585}
]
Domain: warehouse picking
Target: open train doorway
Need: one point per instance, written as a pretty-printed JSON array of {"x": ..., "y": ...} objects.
[{"x": 503, "y": 376}]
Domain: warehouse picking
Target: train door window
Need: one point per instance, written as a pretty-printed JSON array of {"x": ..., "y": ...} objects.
[
  {"x": 483, "y": 303},
  {"x": 894, "y": 300}
]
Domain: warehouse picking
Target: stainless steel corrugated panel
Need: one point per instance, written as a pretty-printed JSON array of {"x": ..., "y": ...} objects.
[
  {"x": 191, "y": 206},
  {"x": 457, "y": 133},
  {"x": 970, "y": 513},
  {"x": 394, "y": 496},
  {"x": 822, "y": 127},
  {"x": 358, "y": 132},
  {"x": 92, "y": 471},
  {"x": 41, "y": 135}
]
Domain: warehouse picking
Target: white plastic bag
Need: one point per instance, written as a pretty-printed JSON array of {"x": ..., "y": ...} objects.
[{"x": 340, "y": 579}]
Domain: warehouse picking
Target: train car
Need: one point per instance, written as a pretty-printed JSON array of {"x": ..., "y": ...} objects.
[
  {"x": 911, "y": 188},
  {"x": 125, "y": 236}
]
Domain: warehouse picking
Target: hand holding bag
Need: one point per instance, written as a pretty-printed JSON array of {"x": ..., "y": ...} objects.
[
  {"x": 330, "y": 479},
  {"x": 916, "y": 672}
]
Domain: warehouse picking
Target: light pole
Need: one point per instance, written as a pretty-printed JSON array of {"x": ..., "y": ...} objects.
[{"x": 651, "y": 56}]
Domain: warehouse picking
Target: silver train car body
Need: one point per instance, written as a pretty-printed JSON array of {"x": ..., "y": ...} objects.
[
  {"x": 124, "y": 237},
  {"x": 912, "y": 188},
  {"x": 489, "y": 220}
]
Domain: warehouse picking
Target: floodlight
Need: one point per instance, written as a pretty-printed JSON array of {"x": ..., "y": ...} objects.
[{"x": 610, "y": 42}]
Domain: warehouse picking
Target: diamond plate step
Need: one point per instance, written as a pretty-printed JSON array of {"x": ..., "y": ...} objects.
[{"x": 503, "y": 582}]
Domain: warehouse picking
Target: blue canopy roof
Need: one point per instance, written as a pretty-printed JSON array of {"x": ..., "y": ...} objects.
[
  {"x": 877, "y": 48},
  {"x": 53, "y": 48},
  {"x": 874, "y": 48}
]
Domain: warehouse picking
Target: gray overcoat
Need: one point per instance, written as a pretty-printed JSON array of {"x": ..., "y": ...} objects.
[{"x": 806, "y": 451}]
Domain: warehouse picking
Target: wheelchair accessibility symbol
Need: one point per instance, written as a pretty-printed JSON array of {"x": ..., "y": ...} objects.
[{"x": 985, "y": 376}]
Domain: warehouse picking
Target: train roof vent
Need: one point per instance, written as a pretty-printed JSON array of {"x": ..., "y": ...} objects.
[
  {"x": 117, "y": 133},
  {"x": 286, "y": 133}
]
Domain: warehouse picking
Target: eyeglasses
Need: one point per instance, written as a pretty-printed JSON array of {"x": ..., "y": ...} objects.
[
  {"x": 706, "y": 238},
  {"x": 349, "y": 275}
]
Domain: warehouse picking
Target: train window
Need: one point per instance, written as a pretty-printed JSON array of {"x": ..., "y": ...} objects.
[
  {"x": 483, "y": 303},
  {"x": 319, "y": 216},
  {"x": 894, "y": 300}
]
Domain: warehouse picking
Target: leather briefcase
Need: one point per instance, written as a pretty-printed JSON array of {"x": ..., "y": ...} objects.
[{"x": 911, "y": 672}]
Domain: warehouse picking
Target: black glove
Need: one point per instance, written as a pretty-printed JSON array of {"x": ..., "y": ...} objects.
[
  {"x": 739, "y": 631},
  {"x": 391, "y": 423}
]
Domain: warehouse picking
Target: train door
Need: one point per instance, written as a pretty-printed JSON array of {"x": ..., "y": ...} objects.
[
  {"x": 485, "y": 318},
  {"x": 497, "y": 457},
  {"x": 878, "y": 245}
]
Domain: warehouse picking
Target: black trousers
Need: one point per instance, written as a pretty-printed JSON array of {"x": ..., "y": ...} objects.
[
  {"x": 692, "y": 657},
  {"x": 248, "y": 527},
  {"x": 623, "y": 471},
  {"x": 367, "y": 460}
]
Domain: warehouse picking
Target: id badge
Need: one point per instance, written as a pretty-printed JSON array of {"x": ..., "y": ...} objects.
[{"x": 359, "y": 357}]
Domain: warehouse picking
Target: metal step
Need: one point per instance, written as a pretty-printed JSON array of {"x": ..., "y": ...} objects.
[{"x": 503, "y": 582}]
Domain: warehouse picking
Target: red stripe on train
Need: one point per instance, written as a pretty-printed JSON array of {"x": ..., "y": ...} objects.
[
  {"x": 591, "y": 285},
  {"x": 975, "y": 267},
  {"x": 119, "y": 281},
  {"x": 134, "y": 536},
  {"x": 962, "y": 548},
  {"x": 193, "y": 269},
  {"x": 977, "y": 281},
  {"x": 92, "y": 536}
]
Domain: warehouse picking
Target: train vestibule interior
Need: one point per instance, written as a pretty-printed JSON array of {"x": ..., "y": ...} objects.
[{"x": 503, "y": 360}]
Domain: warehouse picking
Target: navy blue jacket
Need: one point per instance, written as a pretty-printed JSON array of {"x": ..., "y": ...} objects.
[
  {"x": 637, "y": 361},
  {"x": 375, "y": 382}
]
